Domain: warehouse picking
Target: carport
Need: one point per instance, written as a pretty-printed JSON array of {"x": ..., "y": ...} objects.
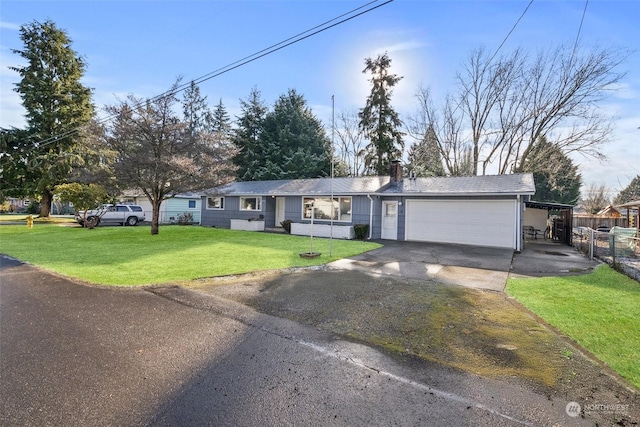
[
  {"x": 561, "y": 229},
  {"x": 630, "y": 207}
]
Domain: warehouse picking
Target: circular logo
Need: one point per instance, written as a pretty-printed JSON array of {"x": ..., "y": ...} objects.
[{"x": 573, "y": 409}]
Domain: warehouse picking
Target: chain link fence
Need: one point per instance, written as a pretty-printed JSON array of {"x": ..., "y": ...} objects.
[{"x": 619, "y": 247}]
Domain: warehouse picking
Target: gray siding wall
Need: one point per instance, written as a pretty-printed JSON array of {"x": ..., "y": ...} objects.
[
  {"x": 293, "y": 211},
  {"x": 360, "y": 206},
  {"x": 222, "y": 217}
]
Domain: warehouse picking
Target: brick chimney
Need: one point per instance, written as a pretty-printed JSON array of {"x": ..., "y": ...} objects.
[{"x": 396, "y": 171}]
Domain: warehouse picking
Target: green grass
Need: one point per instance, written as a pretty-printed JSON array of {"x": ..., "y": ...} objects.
[
  {"x": 600, "y": 311},
  {"x": 22, "y": 217},
  {"x": 132, "y": 256}
]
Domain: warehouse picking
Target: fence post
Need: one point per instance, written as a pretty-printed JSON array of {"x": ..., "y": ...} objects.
[
  {"x": 592, "y": 234},
  {"x": 613, "y": 249}
]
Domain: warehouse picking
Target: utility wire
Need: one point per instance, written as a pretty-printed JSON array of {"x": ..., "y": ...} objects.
[
  {"x": 575, "y": 44},
  {"x": 239, "y": 63},
  {"x": 496, "y": 52},
  {"x": 509, "y": 34}
]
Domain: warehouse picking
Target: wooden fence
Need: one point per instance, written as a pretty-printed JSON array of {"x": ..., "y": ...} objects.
[{"x": 594, "y": 221}]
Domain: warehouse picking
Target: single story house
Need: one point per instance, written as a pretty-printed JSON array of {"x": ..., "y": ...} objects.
[
  {"x": 610, "y": 212},
  {"x": 170, "y": 209},
  {"x": 474, "y": 210}
]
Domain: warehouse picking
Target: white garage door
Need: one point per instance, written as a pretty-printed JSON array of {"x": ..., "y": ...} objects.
[{"x": 483, "y": 223}]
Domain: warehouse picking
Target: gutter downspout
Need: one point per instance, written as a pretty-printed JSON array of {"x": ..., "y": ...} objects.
[
  {"x": 519, "y": 221},
  {"x": 370, "y": 216}
]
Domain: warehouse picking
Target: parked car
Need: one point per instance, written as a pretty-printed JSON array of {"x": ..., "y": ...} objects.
[{"x": 113, "y": 214}]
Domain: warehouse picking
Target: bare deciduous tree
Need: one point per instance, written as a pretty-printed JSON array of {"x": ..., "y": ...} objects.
[
  {"x": 351, "y": 143},
  {"x": 446, "y": 124},
  {"x": 595, "y": 198},
  {"x": 505, "y": 105},
  {"x": 160, "y": 154}
]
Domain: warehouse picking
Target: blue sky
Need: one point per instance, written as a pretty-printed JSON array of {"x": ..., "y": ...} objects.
[{"x": 140, "y": 47}]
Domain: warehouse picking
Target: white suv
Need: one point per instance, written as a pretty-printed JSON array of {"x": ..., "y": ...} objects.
[{"x": 113, "y": 214}]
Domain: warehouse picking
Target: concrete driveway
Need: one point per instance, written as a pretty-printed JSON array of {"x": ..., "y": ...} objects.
[{"x": 469, "y": 266}]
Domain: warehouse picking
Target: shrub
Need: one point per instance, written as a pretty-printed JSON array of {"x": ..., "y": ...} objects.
[
  {"x": 361, "y": 231},
  {"x": 286, "y": 224},
  {"x": 33, "y": 208},
  {"x": 185, "y": 218}
]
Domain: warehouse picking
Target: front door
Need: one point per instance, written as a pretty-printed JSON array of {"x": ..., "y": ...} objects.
[
  {"x": 279, "y": 211},
  {"x": 389, "y": 220}
]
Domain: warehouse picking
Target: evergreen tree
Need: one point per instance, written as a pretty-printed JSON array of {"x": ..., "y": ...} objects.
[
  {"x": 220, "y": 120},
  {"x": 57, "y": 106},
  {"x": 245, "y": 138},
  {"x": 556, "y": 177},
  {"x": 630, "y": 193},
  {"x": 195, "y": 110},
  {"x": 425, "y": 158},
  {"x": 378, "y": 120},
  {"x": 15, "y": 146},
  {"x": 293, "y": 141},
  {"x": 221, "y": 128}
]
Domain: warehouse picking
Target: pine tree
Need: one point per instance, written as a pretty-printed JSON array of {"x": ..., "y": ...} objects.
[
  {"x": 245, "y": 138},
  {"x": 556, "y": 177},
  {"x": 425, "y": 158},
  {"x": 630, "y": 193},
  {"x": 57, "y": 106},
  {"x": 293, "y": 141},
  {"x": 195, "y": 110},
  {"x": 379, "y": 121}
]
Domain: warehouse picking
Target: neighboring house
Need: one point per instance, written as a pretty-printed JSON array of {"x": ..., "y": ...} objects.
[
  {"x": 610, "y": 212},
  {"x": 171, "y": 208},
  {"x": 475, "y": 210},
  {"x": 18, "y": 205}
]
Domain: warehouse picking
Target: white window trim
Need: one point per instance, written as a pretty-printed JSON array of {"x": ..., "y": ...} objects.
[
  {"x": 327, "y": 197},
  {"x": 214, "y": 209},
  {"x": 258, "y": 201}
]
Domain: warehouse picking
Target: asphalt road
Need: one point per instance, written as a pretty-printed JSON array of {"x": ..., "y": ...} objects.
[{"x": 75, "y": 355}]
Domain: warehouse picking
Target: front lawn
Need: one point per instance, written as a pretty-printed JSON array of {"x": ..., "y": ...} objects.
[
  {"x": 22, "y": 217},
  {"x": 600, "y": 311},
  {"x": 132, "y": 256}
]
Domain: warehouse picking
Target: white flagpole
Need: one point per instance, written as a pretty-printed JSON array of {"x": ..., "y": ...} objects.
[{"x": 333, "y": 128}]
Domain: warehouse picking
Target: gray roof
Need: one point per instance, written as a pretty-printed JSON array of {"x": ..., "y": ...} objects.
[
  {"x": 459, "y": 185},
  {"x": 185, "y": 195},
  {"x": 290, "y": 187},
  {"x": 436, "y": 186}
]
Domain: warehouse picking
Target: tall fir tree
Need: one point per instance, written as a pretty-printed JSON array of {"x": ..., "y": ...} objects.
[
  {"x": 293, "y": 141},
  {"x": 424, "y": 157},
  {"x": 220, "y": 120},
  {"x": 57, "y": 105},
  {"x": 630, "y": 193},
  {"x": 245, "y": 137},
  {"x": 221, "y": 127},
  {"x": 556, "y": 177},
  {"x": 378, "y": 120},
  {"x": 195, "y": 110}
]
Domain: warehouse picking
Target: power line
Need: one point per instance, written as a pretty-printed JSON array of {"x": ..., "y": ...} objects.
[
  {"x": 575, "y": 44},
  {"x": 345, "y": 17},
  {"x": 509, "y": 33},
  {"x": 496, "y": 52}
]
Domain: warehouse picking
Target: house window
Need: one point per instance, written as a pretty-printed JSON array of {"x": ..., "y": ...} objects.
[
  {"x": 325, "y": 209},
  {"x": 250, "y": 203},
  {"x": 215, "y": 202},
  {"x": 192, "y": 204}
]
